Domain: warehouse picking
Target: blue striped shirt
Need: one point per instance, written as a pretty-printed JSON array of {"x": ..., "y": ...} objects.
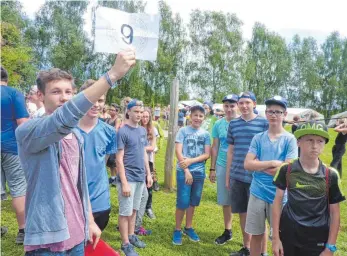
[{"x": 240, "y": 134}]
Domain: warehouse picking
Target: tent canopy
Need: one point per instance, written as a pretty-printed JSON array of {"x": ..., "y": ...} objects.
[
  {"x": 189, "y": 103},
  {"x": 334, "y": 118}
]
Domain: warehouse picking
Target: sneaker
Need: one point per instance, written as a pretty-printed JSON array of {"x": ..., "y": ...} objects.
[
  {"x": 177, "y": 237},
  {"x": 150, "y": 213},
  {"x": 3, "y": 230},
  {"x": 113, "y": 182},
  {"x": 128, "y": 250},
  {"x": 191, "y": 234},
  {"x": 4, "y": 197},
  {"x": 243, "y": 252},
  {"x": 143, "y": 232},
  {"x": 20, "y": 238},
  {"x": 156, "y": 186},
  {"x": 225, "y": 237},
  {"x": 135, "y": 241}
]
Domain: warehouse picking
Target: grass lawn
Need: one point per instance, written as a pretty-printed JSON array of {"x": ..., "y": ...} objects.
[{"x": 208, "y": 221}]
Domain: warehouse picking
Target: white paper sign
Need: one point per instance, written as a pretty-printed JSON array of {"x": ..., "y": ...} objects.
[{"x": 116, "y": 30}]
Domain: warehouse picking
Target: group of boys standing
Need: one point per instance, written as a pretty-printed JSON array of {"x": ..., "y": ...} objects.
[
  {"x": 253, "y": 160},
  {"x": 255, "y": 163}
]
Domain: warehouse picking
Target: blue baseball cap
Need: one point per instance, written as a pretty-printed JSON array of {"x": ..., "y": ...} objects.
[
  {"x": 231, "y": 98},
  {"x": 277, "y": 100},
  {"x": 210, "y": 104},
  {"x": 133, "y": 103},
  {"x": 247, "y": 95}
]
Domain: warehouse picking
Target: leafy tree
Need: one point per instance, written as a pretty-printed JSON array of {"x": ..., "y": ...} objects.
[
  {"x": 268, "y": 63},
  {"x": 16, "y": 55},
  {"x": 215, "y": 53}
]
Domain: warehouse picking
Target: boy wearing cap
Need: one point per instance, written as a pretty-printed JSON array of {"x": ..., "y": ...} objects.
[
  {"x": 219, "y": 162},
  {"x": 240, "y": 134},
  {"x": 192, "y": 150},
  {"x": 133, "y": 169},
  {"x": 267, "y": 152},
  {"x": 309, "y": 222}
]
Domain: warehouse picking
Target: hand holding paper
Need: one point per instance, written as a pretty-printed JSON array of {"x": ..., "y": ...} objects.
[{"x": 116, "y": 30}]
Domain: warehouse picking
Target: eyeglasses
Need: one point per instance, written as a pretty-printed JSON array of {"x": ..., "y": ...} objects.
[{"x": 276, "y": 112}]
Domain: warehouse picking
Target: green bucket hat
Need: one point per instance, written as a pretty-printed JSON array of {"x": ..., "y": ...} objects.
[{"x": 312, "y": 128}]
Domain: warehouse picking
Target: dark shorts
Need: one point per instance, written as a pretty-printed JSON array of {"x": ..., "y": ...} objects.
[
  {"x": 239, "y": 192},
  {"x": 180, "y": 123},
  {"x": 101, "y": 218},
  {"x": 111, "y": 161},
  {"x": 298, "y": 240},
  {"x": 189, "y": 195}
]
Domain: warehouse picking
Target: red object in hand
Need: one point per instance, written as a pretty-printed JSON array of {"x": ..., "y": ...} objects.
[{"x": 101, "y": 249}]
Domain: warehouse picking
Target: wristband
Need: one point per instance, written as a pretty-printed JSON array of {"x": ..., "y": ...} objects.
[
  {"x": 212, "y": 169},
  {"x": 108, "y": 79}
]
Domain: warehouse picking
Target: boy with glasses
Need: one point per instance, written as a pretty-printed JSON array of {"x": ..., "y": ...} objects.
[{"x": 267, "y": 152}]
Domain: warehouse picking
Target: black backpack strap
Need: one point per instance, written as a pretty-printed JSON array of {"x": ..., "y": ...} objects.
[
  {"x": 327, "y": 172},
  {"x": 289, "y": 169}
]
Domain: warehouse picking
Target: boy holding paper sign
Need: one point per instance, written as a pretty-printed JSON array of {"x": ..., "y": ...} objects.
[{"x": 58, "y": 211}]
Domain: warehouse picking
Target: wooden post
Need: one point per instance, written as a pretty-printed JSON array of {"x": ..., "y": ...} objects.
[{"x": 170, "y": 147}]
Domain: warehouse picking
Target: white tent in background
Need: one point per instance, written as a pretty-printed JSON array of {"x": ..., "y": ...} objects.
[
  {"x": 189, "y": 103},
  {"x": 334, "y": 118},
  {"x": 303, "y": 113}
]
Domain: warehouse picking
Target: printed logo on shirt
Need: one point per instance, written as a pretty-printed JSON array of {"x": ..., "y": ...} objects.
[
  {"x": 101, "y": 150},
  {"x": 298, "y": 185}
]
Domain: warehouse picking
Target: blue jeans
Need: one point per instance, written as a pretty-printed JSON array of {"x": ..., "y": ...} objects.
[
  {"x": 78, "y": 250},
  {"x": 189, "y": 195}
]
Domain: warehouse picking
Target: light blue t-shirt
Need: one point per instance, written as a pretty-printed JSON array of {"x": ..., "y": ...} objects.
[
  {"x": 98, "y": 143},
  {"x": 220, "y": 131},
  {"x": 283, "y": 148},
  {"x": 193, "y": 142}
]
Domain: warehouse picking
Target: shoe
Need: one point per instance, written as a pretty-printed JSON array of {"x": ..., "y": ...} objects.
[
  {"x": 225, "y": 237},
  {"x": 128, "y": 250},
  {"x": 150, "y": 213},
  {"x": 20, "y": 238},
  {"x": 191, "y": 234},
  {"x": 243, "y": 252},
  {"x": 113, "y": 182},
  {"x": 156, "y": 186},
  {"x": 4, "y": 197},
  {"x": 3, "y": 230},
  {"x": 135, "y": 241},
  {"x": 177, "y": 237},
  {"x": 143, "y": 232}
]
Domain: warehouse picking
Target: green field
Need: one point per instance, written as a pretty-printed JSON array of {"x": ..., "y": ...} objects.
[{"x": 208, "y": 221}]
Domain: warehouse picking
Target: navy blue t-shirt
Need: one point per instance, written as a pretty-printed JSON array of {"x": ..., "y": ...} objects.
[
  {"x": 133, "y": 141},
  {"x": 12, "y": 108}
]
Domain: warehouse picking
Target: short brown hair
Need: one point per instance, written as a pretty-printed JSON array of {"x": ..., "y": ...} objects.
[
  {"x": 4, "y": 75},
  {"x": 54, "y": 74}
]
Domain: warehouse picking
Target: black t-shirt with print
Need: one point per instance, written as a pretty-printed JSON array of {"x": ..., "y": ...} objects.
[{"x": 307, "y": 194}]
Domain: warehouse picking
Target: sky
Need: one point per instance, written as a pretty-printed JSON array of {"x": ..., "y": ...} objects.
[{"x": 304, "y": 17}]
